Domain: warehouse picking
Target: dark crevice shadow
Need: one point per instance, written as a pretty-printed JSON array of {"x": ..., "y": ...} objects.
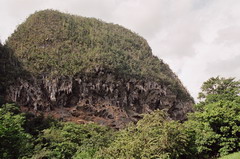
[{"x": 10, "y": 70}]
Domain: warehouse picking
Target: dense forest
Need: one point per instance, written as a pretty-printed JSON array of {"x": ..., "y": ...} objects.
[{"x": 52, "y": 44}]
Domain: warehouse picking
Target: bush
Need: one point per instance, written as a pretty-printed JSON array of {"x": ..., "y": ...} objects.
[
  {"x": 155, "y": 136},
  {"x": 69, "y": 140},
  {"x": 14, "y": 141}
]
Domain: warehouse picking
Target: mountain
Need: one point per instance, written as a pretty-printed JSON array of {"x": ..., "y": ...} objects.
[{"x": 83, "y": 69}]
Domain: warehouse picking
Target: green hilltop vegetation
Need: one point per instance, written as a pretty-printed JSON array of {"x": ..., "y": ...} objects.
[{"x": 58, "y": 44}]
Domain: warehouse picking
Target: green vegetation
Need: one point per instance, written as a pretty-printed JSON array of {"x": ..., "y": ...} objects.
[
  {"x": 69, "y": 140},
  {"x": 213, "y": 130},
  {"x": 155, "y": 136},
  {"x": 27, "y": 136},
  {"x": 216, "y": 123},
  {"x": 57, "y": 44},
  {"x": 15, "y": 142},
  {"x": 232, "y": 156}
]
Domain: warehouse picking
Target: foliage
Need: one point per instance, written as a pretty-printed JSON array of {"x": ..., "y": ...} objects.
[
  {"x": 69, "y": 140},
  {"x": 14, "y": 141},
  {"x": 35, "y": 124},
  {"x": 232, "y": 156},
  {"x": 216, "y": 89},
  {"x": 216, "y": 124},
  {"x": 55, "y": 44},
  {"x": 153, "y": 137},
  {"x": 39, "y": 137}
]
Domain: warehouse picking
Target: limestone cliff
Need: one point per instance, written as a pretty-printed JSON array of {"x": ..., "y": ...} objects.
[
  {"x": 102, "y": 97},
  {"x": 82, "y": 69}
]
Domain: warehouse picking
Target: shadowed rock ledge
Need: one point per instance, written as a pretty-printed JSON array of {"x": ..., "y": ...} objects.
[{"x": 102, "y": 97}]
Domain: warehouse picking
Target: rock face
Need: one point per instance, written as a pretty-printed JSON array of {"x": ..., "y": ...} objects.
[
  {"x": 1, "y": 73},
  {"x": 102, "y": 97},
  {"x": 82, "y": 69}
]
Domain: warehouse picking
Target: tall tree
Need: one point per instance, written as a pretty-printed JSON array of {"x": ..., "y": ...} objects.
[{"x": 216, "y": 122}]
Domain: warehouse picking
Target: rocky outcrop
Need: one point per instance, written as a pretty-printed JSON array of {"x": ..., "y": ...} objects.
[
  {"x": 48, "y": 60},
  {"x": 102, "y": 97}
]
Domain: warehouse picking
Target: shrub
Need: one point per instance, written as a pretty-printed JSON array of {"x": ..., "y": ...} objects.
[
  {"x": 155, "y": 136},
  {"x": 14, "y": 141},
  {"x": 69, "y": 140}
]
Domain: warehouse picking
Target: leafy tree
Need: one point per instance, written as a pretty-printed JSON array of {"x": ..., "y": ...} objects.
[
  {"x": 69, "y": 140},
  {"x": 217, "y": 88},
  {"x": 216, "y": 123},
  {"x": 154, "y": 136},
  {"x": 35, "y": 124},
  {"x": 14, "y": 142}
]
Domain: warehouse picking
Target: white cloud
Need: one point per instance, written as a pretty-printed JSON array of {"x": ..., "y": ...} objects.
[{"x": 197, "y": 38}]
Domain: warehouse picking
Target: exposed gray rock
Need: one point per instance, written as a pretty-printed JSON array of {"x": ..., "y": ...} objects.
[{"x": 101, "y": 97}]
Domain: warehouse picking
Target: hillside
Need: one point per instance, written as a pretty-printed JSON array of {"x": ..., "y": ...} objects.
[
  {"x": 50, "y": 42},
  {"x": 68, "y": 60}
]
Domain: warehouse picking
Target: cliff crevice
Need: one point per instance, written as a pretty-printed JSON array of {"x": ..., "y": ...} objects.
[{"x": 103, "y": 97}]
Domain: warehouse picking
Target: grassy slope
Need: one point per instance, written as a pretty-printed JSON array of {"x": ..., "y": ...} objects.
[
  {"x": 232, "y": 156},
  {"x": 53, "y": 43}
]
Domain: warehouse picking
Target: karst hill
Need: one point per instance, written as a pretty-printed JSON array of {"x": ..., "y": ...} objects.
[{"x": 83, "y": 69}]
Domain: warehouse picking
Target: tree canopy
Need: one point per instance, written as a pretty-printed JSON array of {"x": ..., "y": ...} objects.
[
  {"x": 15, "y": 142},
  {"x": 217, "y": 120}
]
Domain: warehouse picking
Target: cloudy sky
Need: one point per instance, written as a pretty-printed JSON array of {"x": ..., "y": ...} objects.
[{"x": 197, "y": 38}]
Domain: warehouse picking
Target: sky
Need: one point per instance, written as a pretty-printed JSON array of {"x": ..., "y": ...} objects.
[{"x": 198, "y": 39}]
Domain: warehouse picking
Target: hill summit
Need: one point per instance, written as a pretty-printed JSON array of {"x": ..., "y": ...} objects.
[
  {"x": 84, "y": 68},
  {"x": 51, "y": 42}
]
